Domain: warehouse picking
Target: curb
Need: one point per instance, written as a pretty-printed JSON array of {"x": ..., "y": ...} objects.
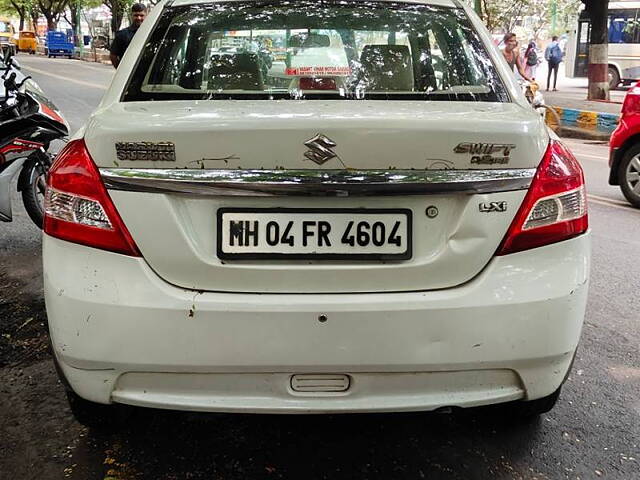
[
  {"x": 582, "y": 124},
  {"x": 582, "y": 134},
  {"x": 87, "y": 57}
]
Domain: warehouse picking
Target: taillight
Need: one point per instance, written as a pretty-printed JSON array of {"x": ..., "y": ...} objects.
[
  {"x": 555, "y": 207},
  {"x": 78, "y": 208},
  {"x": 631, "y": 101}
]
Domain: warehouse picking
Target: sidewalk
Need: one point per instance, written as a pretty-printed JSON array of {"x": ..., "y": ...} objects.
[
  {"x": 580, "y": 117},
  {"x": 101, "y": 54}
]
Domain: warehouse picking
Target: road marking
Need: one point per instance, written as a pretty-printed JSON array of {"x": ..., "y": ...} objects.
[
  {"x": 611, "y": 203},
  {"x": 598, "y": 157},
  {"x": 66, "y": 79}
]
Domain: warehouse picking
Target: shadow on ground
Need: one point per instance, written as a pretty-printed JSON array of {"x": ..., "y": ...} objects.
[{"x": 170, "y": 445}]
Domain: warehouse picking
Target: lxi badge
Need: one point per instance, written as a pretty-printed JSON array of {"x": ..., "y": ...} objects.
[{"x": 493, "y": 207}]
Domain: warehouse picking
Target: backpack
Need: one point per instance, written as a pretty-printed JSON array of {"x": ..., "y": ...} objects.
[
  {"x": 532, "y": 57},
  {"x": 555, "y": 55}
]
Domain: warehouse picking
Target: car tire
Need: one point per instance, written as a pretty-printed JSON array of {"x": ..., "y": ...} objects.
[
  {"x": 629, "y": 175},
  {"x": 614, "y": 77},
  {"x": 533, "y": 408},
  {"x": 97, "y": 416}
]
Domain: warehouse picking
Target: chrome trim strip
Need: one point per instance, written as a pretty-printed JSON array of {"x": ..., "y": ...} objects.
[{"x": 323, "y": 183}]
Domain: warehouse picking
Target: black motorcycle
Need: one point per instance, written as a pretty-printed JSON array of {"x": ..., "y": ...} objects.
[{"x": 29, "y": 122}]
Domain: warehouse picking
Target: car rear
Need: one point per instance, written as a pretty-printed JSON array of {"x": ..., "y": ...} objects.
[
  {"x": 624, "y": 149},
  {"x": 373, "y": 220}
]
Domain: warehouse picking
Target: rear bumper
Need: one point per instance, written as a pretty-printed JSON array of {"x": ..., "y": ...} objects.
[{"x": 121, "y": 334}]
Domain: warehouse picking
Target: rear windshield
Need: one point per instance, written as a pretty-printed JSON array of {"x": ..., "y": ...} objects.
[{"x": 314, "y": 50}]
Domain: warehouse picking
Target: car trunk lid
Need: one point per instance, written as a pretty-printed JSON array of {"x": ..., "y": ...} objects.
[{"x": 456, "y": 170}]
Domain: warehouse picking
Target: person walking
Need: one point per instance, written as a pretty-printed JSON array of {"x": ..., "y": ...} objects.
[
  {"x": 123, "y": 37},
  {"x": 531, "y": 60},
  {"x": 553, "y": 56},
  {"x": 511, "y": 55}
]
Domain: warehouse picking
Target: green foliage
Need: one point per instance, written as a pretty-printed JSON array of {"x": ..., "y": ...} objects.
[
  {"x": 6, "y": 8},
  {"x": 23, "y": 9},
  {"x": 506, "y": 14},
  {"x": 15, "y": 7},
  {"x": 119, "y": 10}
]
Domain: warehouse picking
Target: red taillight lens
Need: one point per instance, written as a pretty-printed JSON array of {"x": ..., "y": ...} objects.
[
  {"x": 78, "y": 208},
  {"x": 555, "y": 207},
  {"x": 631, "y": 102}
]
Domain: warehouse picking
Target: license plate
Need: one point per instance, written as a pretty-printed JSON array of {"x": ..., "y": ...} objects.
[{"x": 381, "y": 234}]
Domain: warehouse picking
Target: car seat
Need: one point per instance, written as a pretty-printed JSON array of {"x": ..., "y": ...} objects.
[
  {"x": 235, "y": 71},
  {"x": 386, "y": 68}
]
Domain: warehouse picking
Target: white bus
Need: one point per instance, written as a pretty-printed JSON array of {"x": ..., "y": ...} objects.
[{"x": 624, "y": 44}]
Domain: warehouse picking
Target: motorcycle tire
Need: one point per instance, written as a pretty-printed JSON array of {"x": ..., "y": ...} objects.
[{"x": 33, "y": 189}]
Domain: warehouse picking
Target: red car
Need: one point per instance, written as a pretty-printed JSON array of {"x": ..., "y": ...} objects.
[{"x": 624, "y": 153}]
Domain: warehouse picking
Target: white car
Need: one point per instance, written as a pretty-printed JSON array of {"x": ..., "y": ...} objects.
[{"x": 411, "y": 239}]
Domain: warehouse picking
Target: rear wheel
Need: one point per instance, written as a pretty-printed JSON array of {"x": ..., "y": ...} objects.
[
  {"x": 532, "y": 408},
  {"x": 34, "y": 188},
  {"x": 97, "y": 415},
  {"x": 629, "y": 175},
  {"x": 614, "y": 77},
  {"x": 90, "y": 414}
]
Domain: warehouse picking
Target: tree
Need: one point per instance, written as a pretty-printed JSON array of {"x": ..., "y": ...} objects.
[
  {"x": 598, "y": 45},
  {"x": 34, "y": 14},
  {"x": 52, "y": 9},
  {"x": 74, "y": 9},
  {"x": 506, "y": 14},
  {"x": 11, "y": 7},
  {"x": 27, "y": 10},
  {"x": 118, "y": 10}
]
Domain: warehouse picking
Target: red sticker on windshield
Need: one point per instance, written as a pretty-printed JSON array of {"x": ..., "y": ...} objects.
[{"x": 335, "y": 71}]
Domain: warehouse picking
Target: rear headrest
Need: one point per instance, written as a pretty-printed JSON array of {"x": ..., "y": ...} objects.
[
  {"x": 386, "y": 67},
  {"x": 235, "y": 71}
]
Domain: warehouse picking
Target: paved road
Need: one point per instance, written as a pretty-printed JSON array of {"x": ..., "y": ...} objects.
[{"x": 594, "y": 432}]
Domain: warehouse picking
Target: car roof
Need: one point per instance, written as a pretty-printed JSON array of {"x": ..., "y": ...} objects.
[{"x": 444, "y": 3}]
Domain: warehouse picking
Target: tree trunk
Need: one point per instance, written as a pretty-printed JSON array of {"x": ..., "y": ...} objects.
[
  {"x": 34, "y": 21},
  {"x": 477, "y": 4},
  {"x": 117, "y": 14},
  {"x": 52, "y": 23},
  {"x": 22, "y": 13},
  {"x": 598, "y": 54},
  {"x": 74, "y": 12}
]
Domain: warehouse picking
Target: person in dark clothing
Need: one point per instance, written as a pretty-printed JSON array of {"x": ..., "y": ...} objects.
[
  {"x": 123, "y": 37},
  {"x": 553, "y": 56}
]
